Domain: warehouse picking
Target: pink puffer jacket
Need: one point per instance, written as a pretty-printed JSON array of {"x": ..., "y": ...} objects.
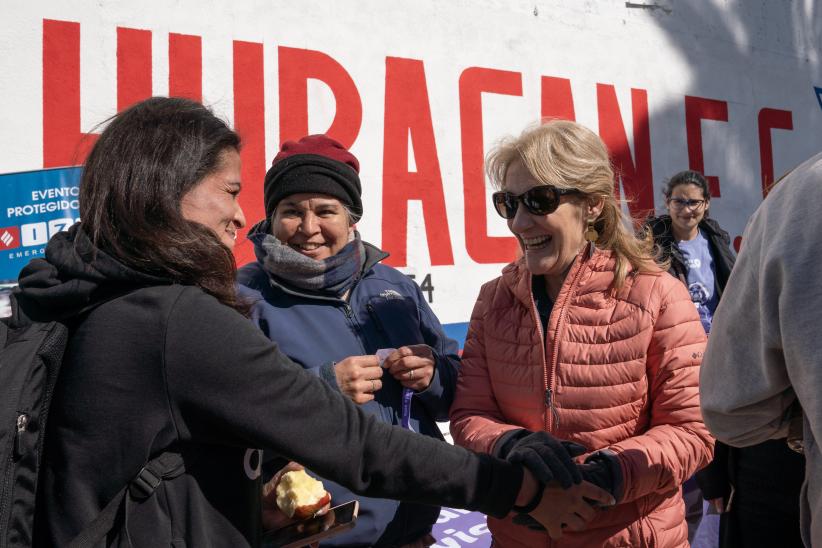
[{"x": 618, "y": 370}]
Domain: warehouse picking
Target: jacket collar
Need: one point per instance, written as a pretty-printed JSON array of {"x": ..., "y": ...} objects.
[
  {"x": 75, "y": 277},
  {"x": 662, "y": 228},
  {"x": 518, "y": 279}
]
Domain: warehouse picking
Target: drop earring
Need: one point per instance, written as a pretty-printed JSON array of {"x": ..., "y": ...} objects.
[{"x": 591, "y": 235}]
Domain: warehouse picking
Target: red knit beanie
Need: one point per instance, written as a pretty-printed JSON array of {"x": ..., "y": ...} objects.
[{"x": 315, "y": 163}]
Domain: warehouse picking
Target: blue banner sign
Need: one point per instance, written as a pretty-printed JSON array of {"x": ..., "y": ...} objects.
[{"x": 34, "y": 205}]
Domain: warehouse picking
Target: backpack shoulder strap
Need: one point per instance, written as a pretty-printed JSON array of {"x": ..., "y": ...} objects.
[
  {"x": 4, "y": 331},
  {"x": 165, "y": 466}
]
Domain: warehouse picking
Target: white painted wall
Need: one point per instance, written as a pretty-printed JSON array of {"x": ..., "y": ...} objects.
[{"x": 749, "y": 54}]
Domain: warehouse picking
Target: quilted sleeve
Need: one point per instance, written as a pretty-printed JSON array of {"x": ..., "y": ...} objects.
[
  {"x": 677, "y": 443},
  {"x": 476, "y": 420}
]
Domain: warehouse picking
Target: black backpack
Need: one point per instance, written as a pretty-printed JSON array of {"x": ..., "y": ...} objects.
[{"x": 30, "y": 356}]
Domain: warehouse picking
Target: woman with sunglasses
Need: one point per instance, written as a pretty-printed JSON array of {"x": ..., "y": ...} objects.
[
  {"x": 699, "y": 254},
  {"x": 584, "y": 339}
]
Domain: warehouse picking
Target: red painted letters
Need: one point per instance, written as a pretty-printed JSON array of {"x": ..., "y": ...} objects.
[
  {"x": 770, "y": 118},
  {"x": 696, "y": 110},
  {"x": 296, "y": 67},
  {"x": 475, "y": 81},
  {"x": 249, "y": 121},
  {"x": 636, "y": 172},
  {"x": 407, "y": 120},
  {"x": 63, "y": 142},
  {"x": 408, "y": 115},
  {"x": 185, "y": 66},
  {"x": 133, "y": 66},
  {"x": 557, "y": 100}
]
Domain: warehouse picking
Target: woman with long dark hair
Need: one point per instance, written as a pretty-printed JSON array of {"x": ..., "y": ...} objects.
[
  {"x": 696, "y": 248},
  {"x": 160, "y": 361}
]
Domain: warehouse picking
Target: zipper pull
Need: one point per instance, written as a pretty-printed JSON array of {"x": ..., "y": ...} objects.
[
  {"x": 549, "y": 401},
  {"x": 22, "y": 424}
]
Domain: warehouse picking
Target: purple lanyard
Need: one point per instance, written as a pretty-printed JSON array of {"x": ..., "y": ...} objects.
[{"x": 407, "y": 393}]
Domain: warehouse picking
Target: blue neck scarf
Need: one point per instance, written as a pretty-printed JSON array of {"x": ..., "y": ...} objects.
[{"x": 332, "y": 276}]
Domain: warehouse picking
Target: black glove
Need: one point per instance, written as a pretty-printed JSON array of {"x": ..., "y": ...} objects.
[
  {"x": 527, "y": 521},
  {"x": 603, "y": 470},
  {"x": 548, "y": 458}
]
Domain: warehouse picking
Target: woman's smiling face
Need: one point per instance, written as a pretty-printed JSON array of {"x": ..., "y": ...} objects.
[
  {"x": 316, "y": 225},
  {"x": 550, "y": 242},
  {"x": 213, "y": 202},
  {"x": 686, "y": 219}
]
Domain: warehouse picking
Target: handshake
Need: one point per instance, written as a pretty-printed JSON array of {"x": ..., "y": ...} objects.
[{"x": 576, "y": 490}]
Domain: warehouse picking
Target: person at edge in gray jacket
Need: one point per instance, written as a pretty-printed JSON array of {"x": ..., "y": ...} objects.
[
  {"x": 763, "y": 361},
  {"x": 320, "y": 292}
]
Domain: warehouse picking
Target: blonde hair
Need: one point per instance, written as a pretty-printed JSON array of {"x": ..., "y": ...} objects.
[{"x": 568, "y": 155}]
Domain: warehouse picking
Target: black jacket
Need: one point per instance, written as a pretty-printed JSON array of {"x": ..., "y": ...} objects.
[
  {"x": 165, "y": 366},
  {"x": 719, "y": 244}
]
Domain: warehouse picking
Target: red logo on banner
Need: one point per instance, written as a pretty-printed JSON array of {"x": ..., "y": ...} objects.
[{"x": 9, "y": 237}]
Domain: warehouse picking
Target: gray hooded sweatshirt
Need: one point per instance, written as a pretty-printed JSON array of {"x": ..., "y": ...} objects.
[{"x": 763, "y": 353}]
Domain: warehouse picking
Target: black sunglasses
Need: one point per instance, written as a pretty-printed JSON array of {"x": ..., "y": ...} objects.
[{"x": 540, "y": 200}]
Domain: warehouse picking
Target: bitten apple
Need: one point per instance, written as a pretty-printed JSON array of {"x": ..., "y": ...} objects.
[{"x": 299, "y": 495}]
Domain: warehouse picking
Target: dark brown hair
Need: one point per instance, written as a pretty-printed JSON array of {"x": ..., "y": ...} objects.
[
  {"x": 687, "y": 177},
  {"x": 133, "y": 181}
]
